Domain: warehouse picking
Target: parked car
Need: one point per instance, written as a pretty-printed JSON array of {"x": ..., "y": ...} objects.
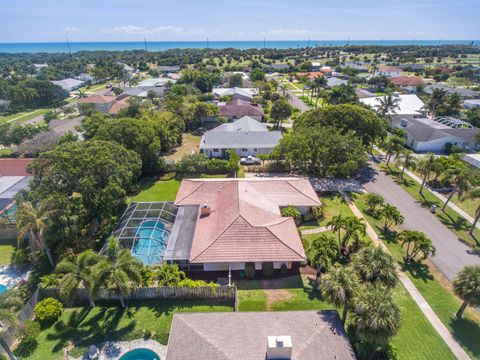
[{"x": 250, "y": 160}]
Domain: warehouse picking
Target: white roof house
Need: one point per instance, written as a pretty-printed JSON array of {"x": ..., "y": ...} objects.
[
  {"x": 69, "y": 84},
  {"x": 155, "y": 82},
  {"x": 408, "y": 104},
  {"x": 236, "y": 93},
  {"x": 472, "y": 159}
]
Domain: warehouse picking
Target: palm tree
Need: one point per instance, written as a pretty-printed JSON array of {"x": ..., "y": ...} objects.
[
  {"x": 406, "y": 159},
  {"x": 374, "y": 265},
  {"x": 436, "y": 99},
  {"x": 462, "y": 179},
  {"x": 475, "y": 194},
  {"x": 31, "y": 222},
  {"x": 76, "y": 273},
  {"x": 7, "y": 319},
  {"x": 169, "y": 275},
  {"x": 467, "y": 286},
  {"x": 337, "y": 224},
  {"x": 393, "y": 146},
  {"x": 321, "y": 252},
  {"x": 425, "y": 164},
  {"x": 391, "y": 215},
  {"x": 418, "y": 245},
  {"x": 354, "y": 228},
  {"x": 318, "y": 84},
  {"x": 387, "y": 105},
  {"x": 117, "y": 271},
  {"x": 373, "y": 201},
  {"x": 283, "y": 88},
  {"x": 375, "y": 315},
  {"x": 339, "y": 287}
]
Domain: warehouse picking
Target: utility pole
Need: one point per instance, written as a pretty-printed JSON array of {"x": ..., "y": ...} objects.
[
  {"x": 264, "y": 43},
  {"x": 69, "y": 49},
  {"x": 208, "y": 46},
  {"x": 145, "y": 41}
]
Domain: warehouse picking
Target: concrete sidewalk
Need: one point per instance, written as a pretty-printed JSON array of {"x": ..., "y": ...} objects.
[{"x": 437, "y": 324}]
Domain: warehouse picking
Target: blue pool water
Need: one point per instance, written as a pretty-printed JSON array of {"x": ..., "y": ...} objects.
[
  {"x": 140, "y": 354},
  {"x": 3, "y": 289},
  {"x": 152, "y": 239}
]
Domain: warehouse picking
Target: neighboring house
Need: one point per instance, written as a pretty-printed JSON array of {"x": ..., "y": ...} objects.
[
  {"x": 316, "y": 66},
  {"x": 245, "y": 136},
  {"x": 407, "y": 80},
  {"x": 467, "y": 104},
  {"x": 279, "y": 67},
  {"x": 238, "y": 221},
  {"x": 69, "y": 84},
  {"x": 427, "y": 135},
  {"x": 86, "y": 77},
  {"x": 334, "y": 81},
  {"x": 237, "y": 109},
  {"x": 472, "y": 159},
  {"x": 361, "y": 67},
  {"x": 296, "y": 335},
  {"x": 165, "y": 69},
  {"x": 464, "y": 93},
  {"x": 388, "y": 71},
  {"x": 141, "y": 91},
  {"x": 326, "y": 70},
  {"x": 128, "y": 70},
  {"x": 40, "y": 67},
  {"x": 246, "y": 94},
  {"x": 105, "y": 104},
  {"x": 311, "y": 74},
  {"x": 409, "y": 104},
  {"x": 13, "y": 178},
  {"x": 413, "y": 67},
  {"x": 155, "y": 82}
]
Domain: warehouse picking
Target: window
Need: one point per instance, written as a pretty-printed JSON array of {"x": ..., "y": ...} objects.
[
  {"x": 255, "y": 149},
  {"x": 244, "y": 149},
  {"x": 215, "y": 150}
]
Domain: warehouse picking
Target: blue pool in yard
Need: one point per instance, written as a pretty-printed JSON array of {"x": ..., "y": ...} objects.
[
  {"x": 140, "y": 354},
  {"x": 151, "y": 242},
  {"x": 3, "y": 289}
]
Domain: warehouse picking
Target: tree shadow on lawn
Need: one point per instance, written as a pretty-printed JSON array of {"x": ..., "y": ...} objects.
[
  {"x": 100, "y": 327},
  {"x": 313, "y": 290},
  {"x": 288, "y": 282},
  {"x": 467, "y": 333},
  {"x": 418, "y": 270}
]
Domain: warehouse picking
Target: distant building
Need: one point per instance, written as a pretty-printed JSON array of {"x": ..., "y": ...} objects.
[
  {"x": 69, "y": 84},
  {"x": 427, "y": 135},
  {"x": 316, "y": 66},
  {"x": 237, "y": 109},
  {"x": 40, "y": 67},
  {"x": 141, "y": 91},
  {"x": 334, "y": 81},
  {"x": 467, "y": 104},
  {"x": 388, "y": 71},
  {"x": 165, "y": 69},
  {"x": 279, "y": 67},
  {"x": 472, "y": 159},
  {"x": 236, "y": 93},
  {"x": 409, "y": 104},
  {"x": 129, "y": 71},
  {"x": 407, "y": 80},
  {"x": 105, "y": 104},
  {"x": 462, "y": 92},
  {"x": 245, "y": 136},
  {"x": 161, "y": 81},
  {"x": 282, "y": 335}
]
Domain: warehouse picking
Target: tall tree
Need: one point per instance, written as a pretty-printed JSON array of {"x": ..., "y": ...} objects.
[
  {"x": 462, "y": 179},
  {"x": 373, "y": 265},
  {"x": 319, "y": 83},
  {"x": 425, "y": 165},
  {"x": 406, "y": 160},
  {"x": 391, "y": 215},
  {"x": 388, "y": 105},
  {"x": 339, "y": 288},
  {"x": 78, "y": 273},
  {"x": 118, "y": 271},
  {"x": 436, "y": 99},
  {"x": 475, "y": 194},
  {"x": 281, "y": 110},
  {"x": 322, "y": 251},
  {"x": 467, "y": 287}
]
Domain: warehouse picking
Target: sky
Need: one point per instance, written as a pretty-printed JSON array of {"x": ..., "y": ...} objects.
[{"x": 183, "y": 20}]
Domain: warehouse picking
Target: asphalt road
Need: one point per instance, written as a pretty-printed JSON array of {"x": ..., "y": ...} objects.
[
  {"x": 296, "y": 102},
  {"x": 452, "y": 255}
]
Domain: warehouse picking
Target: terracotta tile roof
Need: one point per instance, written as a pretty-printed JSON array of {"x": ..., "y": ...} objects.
[
  {"x": 386, "y": 68},
  {"x": 97, "y": 99},
  {"x": 14, "y": 167},
  {"x": 240, "y": 108},
  {"x": 245, "y": 223},
  {"x": 407, "y": 80},
  {"x": 311, "y": 74},
  {"x": 117, "y": 106}
]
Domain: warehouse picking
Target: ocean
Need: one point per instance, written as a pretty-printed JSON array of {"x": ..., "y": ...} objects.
[{"x": 63, "y": 47}]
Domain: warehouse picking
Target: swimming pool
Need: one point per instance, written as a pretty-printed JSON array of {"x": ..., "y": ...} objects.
[
  {"x": 140, "y": 354},
  {"x": 3, "y": 289},
  {"x": 151, "y": 242}
]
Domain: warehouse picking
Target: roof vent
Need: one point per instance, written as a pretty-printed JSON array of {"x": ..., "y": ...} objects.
[
  {"x": 279, "y": 348},
  {"x": 404, "y": 123},
  {"x": 205, "y": 210}
]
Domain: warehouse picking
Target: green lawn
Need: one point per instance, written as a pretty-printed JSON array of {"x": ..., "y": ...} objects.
[
  {"x": 334, "y": 205},
  {"x": 6, "y": 248},
  {"x": 20, "y": 117},
  {"x": 85, "y": 327},
  {"x": 416, "y": 338},
  {"x": 442, "y": 301},
  {"x": 449, "y": 218},
  {"x": 161, "y": 190}
]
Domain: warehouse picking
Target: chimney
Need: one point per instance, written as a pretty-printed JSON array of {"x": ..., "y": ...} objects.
[
  {"x": 279, "y": 348},
  {"x": 404, "y": 123},
  {"x": 205, "y": 210}
]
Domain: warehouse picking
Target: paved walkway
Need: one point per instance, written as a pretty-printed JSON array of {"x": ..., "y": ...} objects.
[
  {"x": 316, "y": 230},
  {"x": 452, "y": 254},
  {"x": 437, "y": 324}
]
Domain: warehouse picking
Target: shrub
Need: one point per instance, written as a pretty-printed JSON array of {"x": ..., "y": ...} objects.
[
  {"x": 30, "y": 329},
  {"x": 217, "y": 166},
  {"x": 48, "y": 310},
  {"x": 292, "y": 211},
  {"x": 283, "y": 269},
  {"x": 250, "y": 270},
  {"x": 196, "y": 283},
  {"x": 191, "y": 164},
  {"x": 20, "y": 259},
  {"x": 318, "y": 212},
  {"x": 26, "y": 347},
  {"x": 49, "y": 281},
  {"x": 267, "y": 268}
]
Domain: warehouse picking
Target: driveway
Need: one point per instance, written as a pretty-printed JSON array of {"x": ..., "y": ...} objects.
[
  {"x": 452, "y": 255},
  {"x": 296, "y": 102}
]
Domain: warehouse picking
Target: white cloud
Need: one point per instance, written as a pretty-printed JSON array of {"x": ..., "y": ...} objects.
[
  {"x": 158, "y": 30},
  {"x": 72, "y": 30}
]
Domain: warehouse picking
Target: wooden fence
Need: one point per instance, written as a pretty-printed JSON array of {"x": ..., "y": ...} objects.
[{"x": 228, "y": 293}]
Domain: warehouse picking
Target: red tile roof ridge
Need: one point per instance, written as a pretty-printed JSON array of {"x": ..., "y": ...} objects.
[
  {"x": 302, "y": 192},
  {"x": 191, "y": 192},
  {"x": 283, "y": 242}
]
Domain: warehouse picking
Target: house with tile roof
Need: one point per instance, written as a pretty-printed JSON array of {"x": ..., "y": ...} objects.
[
  {"x": 295, "y": 335},
  {"x": 245, "y": 136},
  {"x": 238, "y": 108},
  {"x": 236, "y": 93},
  {"x": 239, "y": 221},
  {"x": 388, "y": 71},
  {"x": 407, "y": 80},
  {"x": 105, "y": 104}
]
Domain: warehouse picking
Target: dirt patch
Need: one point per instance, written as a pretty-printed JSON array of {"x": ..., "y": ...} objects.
[
  {"x": 276, "y": 295},
  {"x": 189, "y": 145}
]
